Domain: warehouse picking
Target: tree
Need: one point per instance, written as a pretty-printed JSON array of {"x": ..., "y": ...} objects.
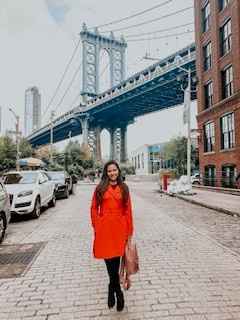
[
  {"x": 8, "y": 153},
  {"x": 25, "y": 148},
  {"x": 77, "y": 155},
  {"x": 44, "y": 153},
  {"x": 176, "y": 150}
]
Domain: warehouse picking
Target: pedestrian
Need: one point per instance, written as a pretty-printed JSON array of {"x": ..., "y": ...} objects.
[{"x": 111, "y": 217}]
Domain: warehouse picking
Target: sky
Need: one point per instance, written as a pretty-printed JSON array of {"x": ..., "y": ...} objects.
[{"x": 38, "y": 37}]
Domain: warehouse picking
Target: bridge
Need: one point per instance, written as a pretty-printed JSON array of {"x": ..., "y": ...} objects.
[{"x": 153, "y": 89}]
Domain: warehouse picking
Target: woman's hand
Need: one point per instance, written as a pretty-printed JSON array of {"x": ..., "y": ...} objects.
[{"x": 129, "y": 240}]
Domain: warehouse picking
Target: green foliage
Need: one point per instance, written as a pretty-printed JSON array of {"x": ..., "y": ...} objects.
[
  {"x": 74, "y": 159},
  {"x": 127, "y": 169},
  {"x": 176, "y": 149},
  {"x": 25, "y": 148},
  {"x": 8, "y": 153},
  {"x": 55, "y": 167}
]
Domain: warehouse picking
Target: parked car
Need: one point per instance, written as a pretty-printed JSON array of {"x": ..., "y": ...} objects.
[
  {"x": 29, "y": 191},
  {"x": 196, "y": 179},
  {"x": 64, "y": 183},
  {"x": 4, "y": 211}
]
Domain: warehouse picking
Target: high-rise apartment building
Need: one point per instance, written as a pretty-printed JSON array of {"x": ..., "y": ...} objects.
[
  {"x": 32, "y": 117},
  {"x": 217, "y": 25}
]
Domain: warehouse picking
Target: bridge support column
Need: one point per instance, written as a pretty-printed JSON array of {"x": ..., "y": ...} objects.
[
  {"x": 123, "y": 147},
  {"x": 85, "y": 125},
  {"x": 98, "y": 155},
  {"x": 118, "y": 143},
  {"x": 111, "y": 131}
]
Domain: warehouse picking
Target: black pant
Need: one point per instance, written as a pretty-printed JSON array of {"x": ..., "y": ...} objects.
[{"x": 113, "y": 265}]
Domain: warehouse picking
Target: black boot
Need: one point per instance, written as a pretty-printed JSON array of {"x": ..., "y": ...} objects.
[
  {"x": 111, "y": 297},
  {"x": 120, "y": 298}
]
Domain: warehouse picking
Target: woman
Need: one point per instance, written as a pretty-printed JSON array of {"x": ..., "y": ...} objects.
[{"x": 111, "y": 216}]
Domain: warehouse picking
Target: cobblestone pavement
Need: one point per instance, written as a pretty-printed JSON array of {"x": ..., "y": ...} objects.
[
  {"x": 223, "y": 228},
  {"x": 185, "y": 275}
]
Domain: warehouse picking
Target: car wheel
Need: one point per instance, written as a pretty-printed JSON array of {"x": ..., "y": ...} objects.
[
  {"x": 2, "y": 226},
  {"x": 37, "y": 209},
  {"x": 196, "y": 183},
  {"x": 52, "y": 203}
]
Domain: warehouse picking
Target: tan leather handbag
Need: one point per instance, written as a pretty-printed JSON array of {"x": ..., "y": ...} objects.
[
  {"x": 129, "y": 264},
  {"x": 131, "y": 258}
]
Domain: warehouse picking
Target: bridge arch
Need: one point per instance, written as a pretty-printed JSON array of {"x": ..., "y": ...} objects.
[
  {"x": 92, "y": 44},
  {"x": 104, "y": 70}
]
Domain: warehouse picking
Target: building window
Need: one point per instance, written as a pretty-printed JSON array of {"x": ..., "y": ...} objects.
[
  {"x": 209, "y": 137},
  {"x": 226, "y": 37},
  {"x": 227, "y": 131},
  {"x": 208, "y": 91},
  {"x": 207, "y": 56},
  {"x": 206, "y": 17},
  {"x": 229, "y": 176},
  {"x": 227, "y": 82},
  {"x": 223, "y": 4},
  {"x": 210, "y": 176}
]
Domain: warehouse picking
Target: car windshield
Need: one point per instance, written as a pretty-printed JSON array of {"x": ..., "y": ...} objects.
[
  {"x": 56, "y": 175},
  {"x": 21, "y": 178}
]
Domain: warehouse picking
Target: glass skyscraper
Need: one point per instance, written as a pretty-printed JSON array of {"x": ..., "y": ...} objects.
[{"x": 32, "y": 116}]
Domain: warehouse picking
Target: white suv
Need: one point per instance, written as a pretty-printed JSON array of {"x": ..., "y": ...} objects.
[{"x": 29, "y": 191}]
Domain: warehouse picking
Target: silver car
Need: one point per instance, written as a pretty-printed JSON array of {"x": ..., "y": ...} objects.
[{"x": 4, "y": 211}]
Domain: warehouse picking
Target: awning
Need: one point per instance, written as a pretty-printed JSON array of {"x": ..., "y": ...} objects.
[{"x": 31, "y": 162}]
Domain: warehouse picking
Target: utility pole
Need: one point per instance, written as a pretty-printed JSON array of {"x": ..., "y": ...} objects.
[
  {"x": 187, "y": 120},
  {"x": 189, "y": 143},
  {"x": 17, "y": 133},
  {"x": 51, "y": 136},
  {"x": 17, "y": 142}
]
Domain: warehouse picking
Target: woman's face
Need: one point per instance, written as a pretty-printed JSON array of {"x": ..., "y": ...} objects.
[{"x": 112, "y": 172}]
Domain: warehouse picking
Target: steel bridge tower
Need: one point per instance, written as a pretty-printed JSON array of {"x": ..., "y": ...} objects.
[{"x": 92, "y": 44}]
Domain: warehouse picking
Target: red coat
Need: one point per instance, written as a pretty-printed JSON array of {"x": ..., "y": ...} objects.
[{"x": 112, "y": 224}]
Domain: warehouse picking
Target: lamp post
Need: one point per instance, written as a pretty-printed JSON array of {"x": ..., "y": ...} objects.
[
  {"x": 17, "y": 132},
  {"x": 51, "y": 136},
  {"x": 187, "y": 110}
]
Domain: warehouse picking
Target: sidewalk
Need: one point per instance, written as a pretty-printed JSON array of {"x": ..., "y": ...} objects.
[{"x": 226, "y": 203}]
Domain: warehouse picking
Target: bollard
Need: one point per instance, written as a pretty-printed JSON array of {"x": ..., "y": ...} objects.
[{"x": 165, "y": 182}]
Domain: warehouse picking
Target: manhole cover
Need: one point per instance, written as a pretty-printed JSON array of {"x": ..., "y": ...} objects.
[{"x": 16, "y": 259}]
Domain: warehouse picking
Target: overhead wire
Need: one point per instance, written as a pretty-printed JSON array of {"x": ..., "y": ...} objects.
[
  {"x": 158, "y": 31},
  {"x": 68, "y": 88},
  {"x": 135, "y": 15},
  {"x": 62, "y": 78},
  {"x": 75, "y": 100},
  {"x": 150, "y": 21},
  {"x": 162, "y": 37}
]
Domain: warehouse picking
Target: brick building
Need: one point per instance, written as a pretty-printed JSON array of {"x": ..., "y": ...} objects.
[{"x": 217, "y": 25}]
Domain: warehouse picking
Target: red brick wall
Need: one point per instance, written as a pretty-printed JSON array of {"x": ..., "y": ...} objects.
[{"x": 218, "y": 157}]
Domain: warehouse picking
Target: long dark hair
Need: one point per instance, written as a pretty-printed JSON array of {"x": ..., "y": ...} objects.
[{"x": 104, "y": 183}]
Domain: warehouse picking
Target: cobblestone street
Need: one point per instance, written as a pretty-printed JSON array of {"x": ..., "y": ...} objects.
[{"x": 189, "y": 263}]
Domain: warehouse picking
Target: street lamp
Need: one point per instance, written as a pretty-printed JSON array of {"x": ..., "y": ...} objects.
[
  {"x": 17, "y": 137},
  {"x": 51, "y": 136},
  {"x": 187, "y": 109}
]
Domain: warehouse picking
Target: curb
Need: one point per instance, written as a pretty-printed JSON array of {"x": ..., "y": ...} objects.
[{"x": 202, "y": 204}]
